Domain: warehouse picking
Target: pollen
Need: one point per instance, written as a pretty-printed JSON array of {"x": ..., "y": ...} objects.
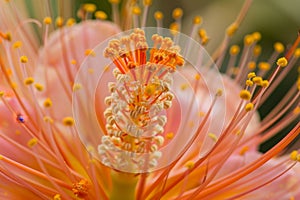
[
  {"x": 249, "y": 83},
  {"x": 219, "y": 92},
  {"x": 232, "y": 29},
  {"x": 150, "y": 89},
  {"x": 249, "y": 107},
  {"x": 81, "y": 188},
  {"x": 296, "y": 111},
  {"x": 245, "y": 94},
  {"x": 28, "y": 81},
  {"x": 294, "y": 155},
  {"x": 264, "y": 66},
  {"x": 278, "y": 47},
  {"x": 158, "y": 15},
  {"x": 48, "y": 119},
  {"x": 89, "y": 7},
  {"x": 197, "y": 77},
  {"x": 197, "y": 20},
  {"x": 170, "y": 135},
  {"x": 32, "y": 142},
  {"x": 248, "y": 40},
  {"x": 100, "y": 15},
  {"x": 73, "y": 62},
  {"x": 190, "y": 164},
  {"x": 147, "y": 2},
  {"x": 282, "y": 62},
  {"x": 77, "y": 86},
  {"x": 39, "y": 87},
  {"x": 256, "y": 36},
  {"x": 136, "y": 10},
  {"x": 68, "y": 121},
  {"x": 252, "y": 65},
  {"x": 59, "y": 22},
  {"x": 265, "y": 83},
  {"x": 17, "y": 44},
  {"x": 257, "y": 80},
  {"x": 244, "y": 150},
  {"x": 57, "y": 197},
  {"x": 89, "y": 52},
  {"x": 70, "y": 22},
  {"x": 213, "y": 136},
  {"x": 297, "y": 53},
  {"x": 47, "y": 103},
  {"x": 234, "y": 50},
  {"x": 23, "y": 59},
  {"x": 114, "y": 1},
  {"x": 2, "y": 93},
  {"x": 47, "y": 20},
  {"x": 177, "y": 13}
]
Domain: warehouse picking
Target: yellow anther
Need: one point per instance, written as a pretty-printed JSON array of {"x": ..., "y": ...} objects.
[
  {"x": 234, "y": 50},
  {"x": 256, "y": 36},
  {"x": 184, "y": 86},
  {"x": 297, "y": 53},
  {"x": 197, "y": 77},
  {"x": 158, "y": 15},
  {"x": 278, "y": 47},
  {"x": 71, "y": 22},
  {"x": 68, "y": 121},
  {"x": 2, "y": 93},
  {"x": 100, "y": 15},
  {"x": 248, "y": 40},
  {"x": 39, "y": 87},
  {"x": 59, "y": 22},
  {"x": 197, "y": 20},
  {"x": 219, "y": 92},
  {"x": 213, "y": 136},
  {"x": 6, "y": 36},
  {"x": 47, "y": 20},
  {"x": 73, "y": 62},
  {"x": 249, "y": 107},
  {"x": 77, "y": 86},
  {"x": 1, "y": 157},
  {"x": 294, "y": 155},
  {"x": 257, "y": 80},
  {"x": 232, "y": 29},
  {"x": 32, "y": 142},
  {"x": 136, "y": 10},
  {"x": 244, "y": 150},
  {"x": 147, "y": 2},
  {"x": 89, "y": 52},
  {"x": 257, "y": 50},
  {"x": 265, "y": 83},
  {"x": 177, "y": 13},
  {"x": 251, "y": 75},
  {"x": 48, "y": 119},
  {"x": 28, "y": 81},
  {"x": 23, "y": 59},
  {"x": 150, "y": 89},
  {"x": 190, "y": 164},
  {"x": 114, "y": 1},
  {"x": 245, "y": 94},
  {"x": 47, "y": 103},
  {"x": 80, "y": 189},
  {"x": 170, "y": 135},
  {"x": 264, "y": 66},
  {"x": 282, "y": 62},
  {"x": 251, "y": 65},
  {"x": 89, "y": 7},
  {"x": 91, "y": 70},
  {"x": 57, "y": 197},
  {"x": 296, "y": 111},
  {"x": 249, "y": 83},
  {"x": 201, "y": 114},
  {"x": 17, "y": 44},
  {"x": 174, "y": 27}
]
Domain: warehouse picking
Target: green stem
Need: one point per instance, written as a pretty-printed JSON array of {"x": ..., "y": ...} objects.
[{"x": 124, "y": 185}]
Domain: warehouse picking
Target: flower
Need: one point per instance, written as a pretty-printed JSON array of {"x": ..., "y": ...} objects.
[{"x": 96, "y": 113}]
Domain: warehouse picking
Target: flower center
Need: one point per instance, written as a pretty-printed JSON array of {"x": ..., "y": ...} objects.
[{"x": 135, "y": 116}]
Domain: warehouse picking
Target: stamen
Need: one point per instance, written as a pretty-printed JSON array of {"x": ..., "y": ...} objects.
[
  {"x": 115, "y": 11},
  {"x": 147, "y": 4},
  {"x": 100, "y": 15}
]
